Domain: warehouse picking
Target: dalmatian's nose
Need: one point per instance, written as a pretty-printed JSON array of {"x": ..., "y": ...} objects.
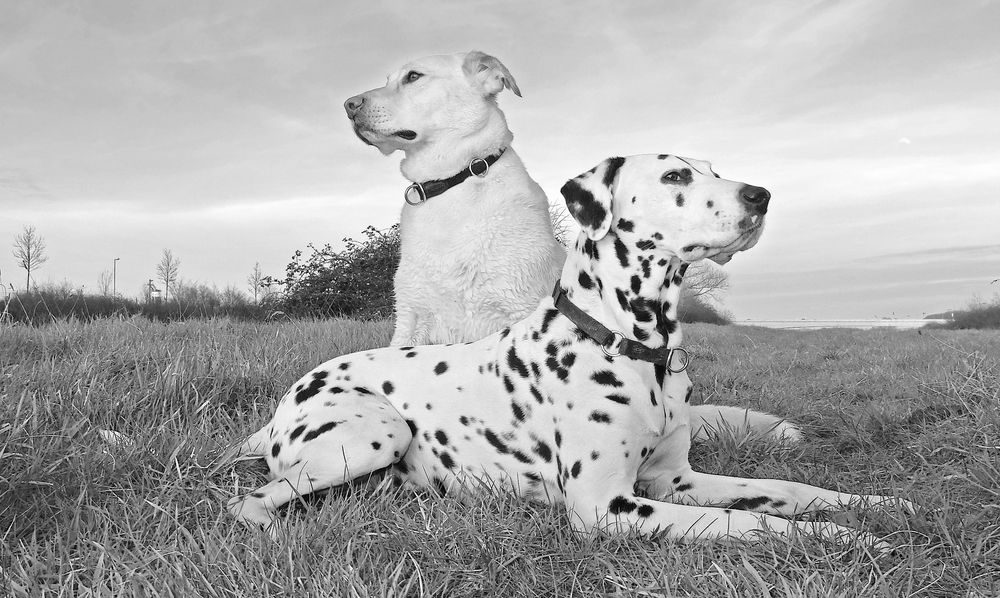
[
  {"x": 353, "y": 105},
  {"x": 756, "y": 198}
]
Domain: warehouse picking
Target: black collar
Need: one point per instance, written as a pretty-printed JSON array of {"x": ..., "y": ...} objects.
[
  {"x": 607, "y": 339},
  {"x": 421, "y": 192}
]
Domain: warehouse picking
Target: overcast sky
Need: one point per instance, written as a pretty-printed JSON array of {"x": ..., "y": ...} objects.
[{"x": 216, "y": 130}]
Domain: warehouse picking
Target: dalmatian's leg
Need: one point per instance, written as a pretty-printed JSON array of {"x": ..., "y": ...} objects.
[
  {"x": 709, "y": 418},
  {"x": 779, "y": 497},
  {"x": 347, "y": 437},
  {"x": 626, "y": 513}
]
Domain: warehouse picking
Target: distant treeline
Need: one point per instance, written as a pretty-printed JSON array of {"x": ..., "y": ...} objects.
[
  {"x": 356, "y": 282},
  {"x": 978, "y": 315}
]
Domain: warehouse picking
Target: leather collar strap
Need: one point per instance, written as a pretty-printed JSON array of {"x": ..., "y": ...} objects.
[
  {"x": 608, "y": 339},
  {"x": 418, "y": 193}
]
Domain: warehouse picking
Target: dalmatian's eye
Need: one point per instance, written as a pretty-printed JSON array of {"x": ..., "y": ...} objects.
[
  {"x": 412, "y": 76},
  {"x": 671, "y": 177}
]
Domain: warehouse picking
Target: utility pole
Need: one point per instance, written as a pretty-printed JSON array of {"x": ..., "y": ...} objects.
[{"x": 114, "y": 277}]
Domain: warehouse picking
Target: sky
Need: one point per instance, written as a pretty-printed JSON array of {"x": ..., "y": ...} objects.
[{"x": 216, "y": 129}]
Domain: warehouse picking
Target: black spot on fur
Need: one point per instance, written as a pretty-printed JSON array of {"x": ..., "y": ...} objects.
[
  {"x": 508, "y": 385},
  {"x": 542, "y": 450},
  {"x": 636, "y": 284},
  {"x": 582, "y": 205},
  {"x": 311, "y": 434},
  {"x": 463, "y": 420},
  {"x": 297, "y": 432},
  {"x": 516, "y": 364},
  {"x": 645, "y": 510},
  {"x": 652, "y": 397},
  {"x": 411, "y": 354},
  {"x": 606, "y": 378},
  {"x": 590, "y": 250},
  {"x": 683, "y": 487},
  {"x": 620, "y": 399},
  {"x": 709, "y": 204},
  {"x": 614, "y": 164},
  {"x": 498, "y": 444},
  {"x": 680, "y": 200},
  {"x": 639, "y": 333},
  {"x": 547, "y": 318},
  {"x": 522, "y": 457},
  {"x": 600, "y": 417},
  {"x": 362, "y": 390},
  {"x": 275, "y": 449},
  {"x": 660, "y": 371},
  {"x": 646, "y": 245},
  {"x": 538, "y": 396},
  {"x": 687, "y": 397},
  {"x": 376, "y": 445},
  {"x": 621, "y": 252},
  {"x": 313, "y": 389},
  {"x": 622, "y": 299},
  {"x": 441, "y": 368},
  {"x": 505, "y": 332},
  {"x": 344, "y": 365},
  {"x": 387, "y": 387},
  {"x": 413, "y": 427},
  {"x": 585, "y": 280},
  {"x": 441, "y": 437},
  {"x": 518, "y": 412},
  {"x": 447, "y": 461},
  {"x": 625, "y": 225},
  {"x": 749, "y": 504},
  {"x": 401, "y": 466},
  {"x": 663, "y": 156},
  {"x": 620, "y": 504},
  {"x": 575, "y": 471}
]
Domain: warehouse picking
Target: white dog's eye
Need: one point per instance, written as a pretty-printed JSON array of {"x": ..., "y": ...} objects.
[{"x": 412, "y": 76}]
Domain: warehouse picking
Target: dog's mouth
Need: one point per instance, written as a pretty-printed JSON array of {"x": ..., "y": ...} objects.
[
  {"x": 406, "y": 134},
  {"x": 746, "y": 239}
]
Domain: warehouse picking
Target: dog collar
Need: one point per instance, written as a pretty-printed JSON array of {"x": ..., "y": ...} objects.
[
  {"x": 418, "y": 193},
  {"x": 613, "y": 342}
]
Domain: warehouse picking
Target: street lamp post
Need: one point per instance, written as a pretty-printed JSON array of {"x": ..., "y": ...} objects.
[{"x": 114, "y": 277}]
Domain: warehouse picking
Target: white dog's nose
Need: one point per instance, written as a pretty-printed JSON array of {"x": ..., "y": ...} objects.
[{"x": 353, "y": 105}]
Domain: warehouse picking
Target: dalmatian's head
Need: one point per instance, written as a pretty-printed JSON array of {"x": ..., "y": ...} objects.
[
  {"x": 672, "y": 204},
  {"x": 430, "y": 100}
]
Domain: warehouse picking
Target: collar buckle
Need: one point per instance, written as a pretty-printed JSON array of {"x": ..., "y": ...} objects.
[
  {"x": 484, "y": 165},
  {"x": 614, "y": 344},
  {"x": 421, "y": 195}
]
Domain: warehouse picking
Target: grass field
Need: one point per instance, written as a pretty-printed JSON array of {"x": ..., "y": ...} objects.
[{"x": 916, "y": 414}]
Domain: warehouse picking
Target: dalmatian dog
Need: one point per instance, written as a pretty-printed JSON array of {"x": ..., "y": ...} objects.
[
  {"x": 584, "y": 402},
  {"x": 480, "y": 255}
]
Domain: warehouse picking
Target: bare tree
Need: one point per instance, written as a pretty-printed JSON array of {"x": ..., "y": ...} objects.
[
  {"x": 255, "y": 282},
  {"x": 104, "y": 282},
  {"x": 705, "y": 280},
  {"x": 29, "y": 251},
  {"x": 166, "y": 271},
  {"x": 563, "y": 226}
]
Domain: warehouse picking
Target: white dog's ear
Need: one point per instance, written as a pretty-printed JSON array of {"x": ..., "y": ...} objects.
[
  {"x": 588, "y": 197},
  {"x": 489, "y": 73}
]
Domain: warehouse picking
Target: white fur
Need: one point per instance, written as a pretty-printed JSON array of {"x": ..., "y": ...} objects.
[{"x": 479, "y": 256}]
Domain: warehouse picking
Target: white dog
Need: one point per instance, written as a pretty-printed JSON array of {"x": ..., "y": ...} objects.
[{"x": 479, "y": 255}]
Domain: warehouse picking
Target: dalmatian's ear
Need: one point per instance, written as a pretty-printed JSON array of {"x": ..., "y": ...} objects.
[
  {"x": 588, "y": 197},
  {"x": 489, "y": 73}
]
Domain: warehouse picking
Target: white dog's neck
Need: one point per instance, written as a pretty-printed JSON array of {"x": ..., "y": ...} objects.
[
  {"x": 445, "y": 157},
  {"x": 639, "y": 300}
]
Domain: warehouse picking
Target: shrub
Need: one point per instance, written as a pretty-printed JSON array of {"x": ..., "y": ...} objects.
[
  {"x": 355, "y": 282},
  {"x": 978, "y": 315}
]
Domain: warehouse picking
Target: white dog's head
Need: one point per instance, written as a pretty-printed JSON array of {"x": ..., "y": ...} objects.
[
  {"x": 672, "y": 204},
  {"x": 430, "y": 100}
]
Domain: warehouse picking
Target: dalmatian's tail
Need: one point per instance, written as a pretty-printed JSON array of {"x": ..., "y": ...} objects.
[
  {"x": 253, "y": 447},
  {"x": 709, "y": 420}
]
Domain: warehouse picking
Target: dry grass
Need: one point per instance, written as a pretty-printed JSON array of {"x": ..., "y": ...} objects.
[{"x": 886, "y": 411}]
